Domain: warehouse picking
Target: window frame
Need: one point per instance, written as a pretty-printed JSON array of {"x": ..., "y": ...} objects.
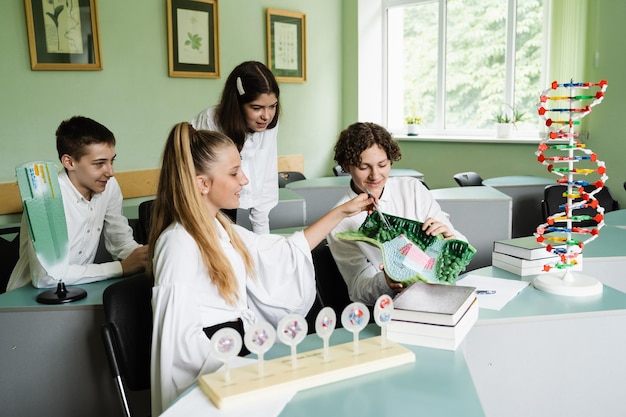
[{"x": 373, "y": 70}]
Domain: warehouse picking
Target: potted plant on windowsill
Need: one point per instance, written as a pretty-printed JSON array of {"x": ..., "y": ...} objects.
[
  {"x": 411, "y": 124},
  {"x": 506, "y": 120}
]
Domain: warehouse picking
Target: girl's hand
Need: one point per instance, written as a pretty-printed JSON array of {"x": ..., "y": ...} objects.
[{"x": 361, "y": 202}]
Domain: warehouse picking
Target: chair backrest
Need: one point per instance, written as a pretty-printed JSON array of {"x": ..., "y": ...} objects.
[
  {"x": 553, "y": 198},
  {"x": 285, "y": 177},
  {"x": 338, "y": 171},
  {"x": 331, "y": 288},
  {"x": 470, "y": 178},
  {"x": 9, "y": 253},
  {"x": 127, "y": 331},
  {"x": 145, "y": 212}
]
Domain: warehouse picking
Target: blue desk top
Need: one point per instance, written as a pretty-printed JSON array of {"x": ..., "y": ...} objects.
[
  {"x": 468, "y": 194},
  {"x": 615, "y": 218},
  {"x": 24, "y": 298},
  {"x": 437, "y": 384},
  {"x": 518, "y": 181},
  {"x": 533, "y": 304}
]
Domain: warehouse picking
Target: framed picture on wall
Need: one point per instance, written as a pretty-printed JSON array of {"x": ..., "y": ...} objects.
[
  {"x": 286, "y": 45},
  {"x": 192, "y": 38},
  {"x": 63, "y": 34}
]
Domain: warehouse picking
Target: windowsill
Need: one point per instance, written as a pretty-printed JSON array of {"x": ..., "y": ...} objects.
[{"x": 425, "y": 137}]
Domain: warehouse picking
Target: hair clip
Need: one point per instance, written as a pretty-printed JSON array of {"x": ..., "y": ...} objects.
[{"x": 240, "y": 87}]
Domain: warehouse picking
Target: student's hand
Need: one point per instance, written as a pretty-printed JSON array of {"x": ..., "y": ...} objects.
[
  {"x": 322, "y": 226},
  {"x": 396, "y": 286},
  {"x": 136, "y": 262},
  {"x": 433, "y": 227},
  {"x": 361, "y": 202}
]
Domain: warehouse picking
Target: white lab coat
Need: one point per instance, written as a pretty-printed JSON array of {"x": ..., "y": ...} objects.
[{"x": 185, "y": 301}]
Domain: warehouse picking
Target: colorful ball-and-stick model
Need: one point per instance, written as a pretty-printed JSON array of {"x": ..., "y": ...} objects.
[{"x": 563, "y": 154}]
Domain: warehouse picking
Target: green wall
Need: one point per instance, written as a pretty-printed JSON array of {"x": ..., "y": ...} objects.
[
  {"x": 134, "y": 96},
  {"x": 136, "y": 99}
]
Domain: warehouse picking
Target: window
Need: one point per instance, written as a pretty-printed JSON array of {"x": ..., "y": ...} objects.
[{"x": 456, "y": 63}]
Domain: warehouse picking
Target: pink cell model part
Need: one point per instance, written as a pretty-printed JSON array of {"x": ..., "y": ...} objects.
[
  {"x": 291, "y": 331},
  {"x": 225, "y": 345},
  {"x": 382, "y": 315},
  {"x": 259, "y": 339},
  {"x": 325, "y": 324},
  {"x": 354, "y": 318},
  {"x": 581, "y": 174}
]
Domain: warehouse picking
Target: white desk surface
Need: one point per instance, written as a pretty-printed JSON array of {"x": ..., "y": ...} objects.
[{"x": 546, "y": 355}]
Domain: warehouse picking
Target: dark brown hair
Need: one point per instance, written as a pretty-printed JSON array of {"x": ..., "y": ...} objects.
[
  {"x": 75, "y": 134},
  {"x": 255, "y": 79},
  {"x": 359, "y": 137}
]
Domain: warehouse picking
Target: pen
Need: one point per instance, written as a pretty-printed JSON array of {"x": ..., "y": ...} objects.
[{"x": 485, "y": 291}]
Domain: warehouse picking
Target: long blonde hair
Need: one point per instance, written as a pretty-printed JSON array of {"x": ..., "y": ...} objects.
[{"x": 189, "y": 153}]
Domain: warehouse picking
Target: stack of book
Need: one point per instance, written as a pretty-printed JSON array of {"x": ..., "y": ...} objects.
[
  {"x": 433, "y": 315},
  {"x": 524, "y": 256}
]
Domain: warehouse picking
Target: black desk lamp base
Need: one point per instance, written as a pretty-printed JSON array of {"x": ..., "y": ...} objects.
[{"x": 61, "y": 295}]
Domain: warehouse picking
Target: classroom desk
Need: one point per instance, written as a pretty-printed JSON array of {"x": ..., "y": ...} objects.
[
  {"x": 616, "y": 218},
  {"x": 542, "y": 355},
  {"x": 437, "y": 384},
  {"x": 527, "y": 193},
  {"x": 53, "y": 361},
  {"x": 289, "y": 212},
  {"x": 482, "y": 214},
  {"x": 549, "y": 355}
]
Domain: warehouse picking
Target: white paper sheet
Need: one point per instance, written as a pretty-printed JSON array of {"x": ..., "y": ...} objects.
[{"x": 500, "y": 290}]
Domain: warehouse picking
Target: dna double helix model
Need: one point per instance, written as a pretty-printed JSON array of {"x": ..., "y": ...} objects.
[{"x": 562, "y": 106}]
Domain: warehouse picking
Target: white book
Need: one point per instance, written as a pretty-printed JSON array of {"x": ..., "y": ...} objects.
[
  {"x": 521, "y": 262},
  {"x": 433, "y": 335},
  {"x": 432, "y": 303},
  {"x": 533, "y": 268},
  {"x": 525, "y": 247}
]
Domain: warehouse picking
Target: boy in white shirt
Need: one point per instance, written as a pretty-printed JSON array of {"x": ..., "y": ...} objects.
[{"x": 92, "y": 201}]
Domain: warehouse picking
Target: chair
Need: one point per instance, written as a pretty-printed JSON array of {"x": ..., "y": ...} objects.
[
  {"x": 553, "y": 198},
  {"x": 127, "y": 335},
  {"x": 338, "y": 171},
  {"x": 143, "y": 227},
  {"x": 9, "y": 253},
  {"x": 285, "y": 177},
  {"x": 466, "y": 179},
  {"x": 331, "y": 288}
]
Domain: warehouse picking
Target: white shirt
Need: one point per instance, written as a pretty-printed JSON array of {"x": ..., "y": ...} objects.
[
  {"x": 184, "y": 300},
  {"x": 259, "y": 161},
  {"x": 359, "y": 262},
  {"x": 86, "y": 220}
]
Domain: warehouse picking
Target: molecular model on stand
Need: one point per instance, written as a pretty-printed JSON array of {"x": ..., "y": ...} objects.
[
  {"x": 566, "y": 233},
  {"x": 279, "y": 376}
]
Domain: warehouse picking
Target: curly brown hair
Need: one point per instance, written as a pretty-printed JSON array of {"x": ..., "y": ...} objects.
[{"x": 359, "y": 137}]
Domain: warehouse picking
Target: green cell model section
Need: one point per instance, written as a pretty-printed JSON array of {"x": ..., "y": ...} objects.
[{"x": 409, "y": 254}]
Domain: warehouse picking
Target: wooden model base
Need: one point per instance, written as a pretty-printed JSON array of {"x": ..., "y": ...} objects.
[{"x": 311, "y": 370}]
